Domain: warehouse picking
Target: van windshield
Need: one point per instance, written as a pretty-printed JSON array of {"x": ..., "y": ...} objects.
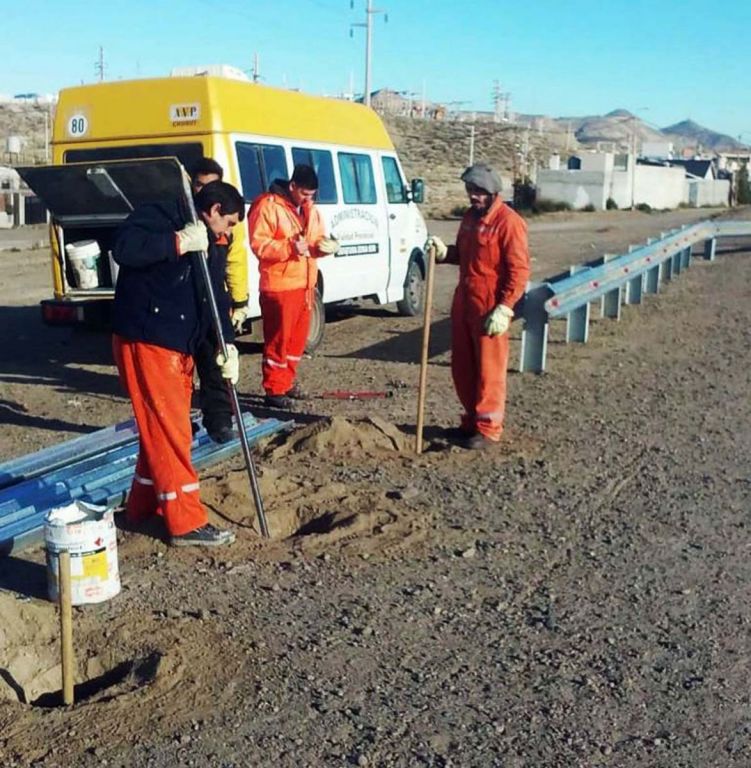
[{"x": 186, "y": 153}]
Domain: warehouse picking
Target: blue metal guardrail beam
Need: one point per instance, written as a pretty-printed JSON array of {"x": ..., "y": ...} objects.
[
  {"x": 614, "y": 279},
  {"x": 24, "y": 505}
]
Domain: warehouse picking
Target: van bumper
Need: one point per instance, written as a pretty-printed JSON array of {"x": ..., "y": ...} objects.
[{"x": 93, "y": 313}]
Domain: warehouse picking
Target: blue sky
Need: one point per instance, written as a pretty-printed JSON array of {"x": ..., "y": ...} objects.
[{"x": 665, "y": 61}]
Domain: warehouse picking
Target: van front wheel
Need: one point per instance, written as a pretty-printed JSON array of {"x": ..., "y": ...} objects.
[
  {"x": 317, "y": 323},
  {"x": 414, "y": 291}
]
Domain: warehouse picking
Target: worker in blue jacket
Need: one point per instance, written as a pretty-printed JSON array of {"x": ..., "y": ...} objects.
[{"x": 161, "y": 315}]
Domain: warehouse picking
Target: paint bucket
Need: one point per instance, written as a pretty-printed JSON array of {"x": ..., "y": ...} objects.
[
  {"x": 84, "y": 258},
  {"x": 88, "y": 532}
]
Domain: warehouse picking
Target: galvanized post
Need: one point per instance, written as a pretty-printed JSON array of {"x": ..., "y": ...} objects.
[
  {"x": 652, "y": 281},
  {"x": 535, "y": 333},
  {"x": 666, "y": 269},
  {"x": 710, "y": 249},
  {"x": 677, "y": 262},
  {"x": 634, "y": 289},
  {"x": 577, "y": 321},
  {"x": 686, "y": 258},
  {"x": 610, "y": 302}
]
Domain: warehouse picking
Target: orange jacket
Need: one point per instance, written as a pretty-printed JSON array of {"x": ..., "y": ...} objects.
[
  {"x": 274, "y": 225},
  {"x": 493, "y": 257}
]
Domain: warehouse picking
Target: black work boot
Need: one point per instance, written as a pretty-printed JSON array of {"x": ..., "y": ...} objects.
[
  {"x": 297, "y": 393},
  {"x": 223, "y": 434},
  {"x": 277, "y": 401},
  {"x": 205, "y": 536},
  {"x": 476, "y": 442}
]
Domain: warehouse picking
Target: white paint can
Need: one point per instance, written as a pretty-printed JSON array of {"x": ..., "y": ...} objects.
[
  {"x": 88, "y": 532},
  {"x": 83, "y": 256}
]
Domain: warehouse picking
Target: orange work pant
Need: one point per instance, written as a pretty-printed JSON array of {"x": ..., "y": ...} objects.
[
  {"x": 286, "y": 321},
  {"x": 159, "y": 383},
  {"x": 478, "y": 367}
]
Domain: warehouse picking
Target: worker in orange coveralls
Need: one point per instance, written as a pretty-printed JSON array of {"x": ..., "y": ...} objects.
[
  {"x": 493, "y": 258},
  {"x": 160, "y": 316},
  {"x": 287, "y": 236}
]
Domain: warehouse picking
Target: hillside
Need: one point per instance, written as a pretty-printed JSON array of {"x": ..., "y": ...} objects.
[
  {"x": 28, "y": 122},
  {"x": 438, "y": 152},
  {"x": 689, "y": 132}
]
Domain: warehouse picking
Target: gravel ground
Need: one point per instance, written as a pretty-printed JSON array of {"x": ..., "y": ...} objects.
[{"x": 577, "y": 597}]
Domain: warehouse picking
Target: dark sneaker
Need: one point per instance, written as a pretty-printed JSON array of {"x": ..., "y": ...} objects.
[
  {"x": 205, "y": 536},
  {"x": 223, "y": 435},
  {"x": 277, "y": 401},
  {"x": 477, "y": 442},
  {"x": 297, "y": 393}
]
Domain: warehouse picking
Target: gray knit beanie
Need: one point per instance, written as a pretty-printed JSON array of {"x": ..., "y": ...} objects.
[{"x": 483, "y": 176}]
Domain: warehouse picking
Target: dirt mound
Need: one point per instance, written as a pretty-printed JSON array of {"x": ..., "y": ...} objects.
[{"x": 339, "y": 436}]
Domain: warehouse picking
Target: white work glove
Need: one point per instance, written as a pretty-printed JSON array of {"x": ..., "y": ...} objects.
[
  {"x": 238, "y": 317},
  {"x": 329, "y": 246},
  {"x": 498, "y": 321},
  {"x": 439, "y": 247},
  {"x": 230, "y": 366},
  {"x": 193, "y": 237}
]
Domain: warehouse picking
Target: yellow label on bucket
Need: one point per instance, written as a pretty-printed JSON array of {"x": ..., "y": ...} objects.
[{"x": 95, "y": 565}]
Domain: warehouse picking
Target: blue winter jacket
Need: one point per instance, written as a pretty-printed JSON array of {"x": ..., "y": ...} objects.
[{"x": 160, "y": 296}]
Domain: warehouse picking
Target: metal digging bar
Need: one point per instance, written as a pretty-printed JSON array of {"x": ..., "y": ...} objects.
[{"x": 216, "y": 320}]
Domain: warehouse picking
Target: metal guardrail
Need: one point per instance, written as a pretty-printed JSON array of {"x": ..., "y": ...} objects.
[{"x": 615, "y": 279}]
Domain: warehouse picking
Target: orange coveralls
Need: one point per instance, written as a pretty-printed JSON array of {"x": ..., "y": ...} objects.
[
  {"x": 287, "y": 282},
  {"x": 493, "y": 258}
]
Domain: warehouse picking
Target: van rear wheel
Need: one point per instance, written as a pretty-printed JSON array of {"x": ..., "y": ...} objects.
[
  {"x": 317, "y": 323},
  {"x": 414, "y": 291}
]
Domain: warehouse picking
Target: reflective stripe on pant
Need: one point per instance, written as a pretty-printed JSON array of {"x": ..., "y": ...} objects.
[
  {"x": 286, "y": 320},
  {"x": 159, "y": 384},
  {"x": 478, "y": 367}
]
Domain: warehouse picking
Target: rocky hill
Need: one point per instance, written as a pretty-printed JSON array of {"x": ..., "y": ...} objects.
[{"x": 691, "y": 133}]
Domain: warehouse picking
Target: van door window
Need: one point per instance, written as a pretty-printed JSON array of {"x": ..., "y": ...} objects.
[
  {"x": 358, "y": 185},
  {"x": 396, "y": 192},
  {"x": 260, "y": 165},
  {"x": 321, "y": 162}
]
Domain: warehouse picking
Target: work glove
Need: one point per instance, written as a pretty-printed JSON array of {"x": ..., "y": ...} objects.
[
  {"x": 238, "y": 317},
  {"x": 498, "y": 321},
  {"x": 329, "y": 246},
  {"x": 230, "y": 366},
  {"x": 193, "y": 237},
  {"x": 439, "y": 247}
]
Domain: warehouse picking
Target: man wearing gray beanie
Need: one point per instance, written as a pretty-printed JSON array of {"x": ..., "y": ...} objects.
[{"x": 493, "y": 257}]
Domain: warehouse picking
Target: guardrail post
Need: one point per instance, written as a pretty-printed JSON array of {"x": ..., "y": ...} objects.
[
  {"x": 610, "y": 303},
  {"x": 666, "y": 270},
  {"x": 677, "y": 260},
  {"x": 652, "y": 280},
  {"x": 535, "y": 333},
  {"x": 577, "y": 321},
  {"x": 633, "y": 291},
  {"x": 686, "y": 260},
  {"x": 710, "y": 248}
]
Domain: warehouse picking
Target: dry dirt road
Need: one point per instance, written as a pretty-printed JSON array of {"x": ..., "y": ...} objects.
[{"x": 577, "y": 597}]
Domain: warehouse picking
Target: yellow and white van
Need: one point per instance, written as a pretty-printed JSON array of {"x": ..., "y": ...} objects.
[{"x": 257, "y": 134}]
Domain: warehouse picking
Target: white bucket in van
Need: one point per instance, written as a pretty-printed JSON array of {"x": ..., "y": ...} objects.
[
  {"x": 88, "y": 532},
  {"x": 83, "y": 256}
]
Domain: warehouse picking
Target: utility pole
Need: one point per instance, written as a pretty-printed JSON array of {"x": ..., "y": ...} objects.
[
  {"x": 368, "y": 24},
  {"x": 99, "y": 65},
  {"x": 256, "y": 70},
  {"x": 472, "y": 144}
]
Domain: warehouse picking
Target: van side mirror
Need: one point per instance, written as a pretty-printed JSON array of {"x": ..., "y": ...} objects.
[{"x": 417, "y": 191}]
